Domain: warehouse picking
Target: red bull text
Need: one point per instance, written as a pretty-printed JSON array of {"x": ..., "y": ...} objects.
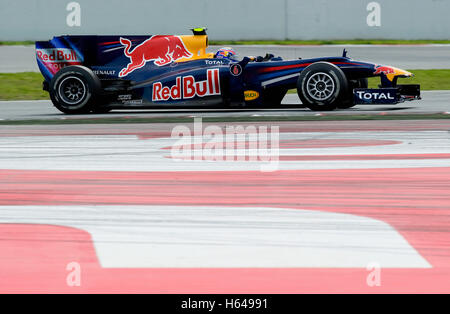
[
  {"x": 186, "y": 87},
  {"x": 55, "y": 59}
]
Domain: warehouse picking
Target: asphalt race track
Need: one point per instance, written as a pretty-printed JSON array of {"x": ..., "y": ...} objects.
[
  {"x": 433, "y": 102},
  {"x": 137, "y": 214},
  {"x": 292, "y": 207}
]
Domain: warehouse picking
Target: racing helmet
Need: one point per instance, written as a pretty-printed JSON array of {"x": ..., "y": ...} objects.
[{"x": 226, "y": 53}]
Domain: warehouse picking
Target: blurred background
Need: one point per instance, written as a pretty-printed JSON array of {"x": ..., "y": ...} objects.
[{"x": 229, "y": 20}]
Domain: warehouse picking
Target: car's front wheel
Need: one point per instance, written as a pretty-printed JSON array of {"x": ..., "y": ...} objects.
[
  {"x": 349, "y": 102},
  {"x": 74, "y": 89},
  {"x": 321, "y": 86}
]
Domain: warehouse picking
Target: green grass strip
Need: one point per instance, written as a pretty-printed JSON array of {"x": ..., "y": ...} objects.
[
  {"x": 16, "y": 43},
  {"x": 28, "y": 85},
  {"x": 22, "y": 86}
]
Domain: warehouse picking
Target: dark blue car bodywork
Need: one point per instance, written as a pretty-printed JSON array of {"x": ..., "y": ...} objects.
[{"x": 195, "y": 78}]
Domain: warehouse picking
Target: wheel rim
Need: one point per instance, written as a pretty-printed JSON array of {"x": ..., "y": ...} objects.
[
  {"x": 72, "y": 91},
  {"x": 320, "y": 86}
]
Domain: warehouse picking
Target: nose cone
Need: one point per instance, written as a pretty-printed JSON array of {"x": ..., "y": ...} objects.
[
  {"x": 391, "y": 72},
  {"x": 402, "y": 73}
]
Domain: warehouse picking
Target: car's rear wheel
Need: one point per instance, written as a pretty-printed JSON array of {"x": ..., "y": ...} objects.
[
  {"x": 349, "y": 102},
  {"x": 74, "y": 89},
  {"x": 321, "y": 86}
]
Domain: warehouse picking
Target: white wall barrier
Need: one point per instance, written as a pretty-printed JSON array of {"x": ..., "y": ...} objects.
[{"x": 229, "y": 20}]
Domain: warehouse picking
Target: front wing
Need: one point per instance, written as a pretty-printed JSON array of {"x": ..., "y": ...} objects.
[{"x": 394, "y": 95}]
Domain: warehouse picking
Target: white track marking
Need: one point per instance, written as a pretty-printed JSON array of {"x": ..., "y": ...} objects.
[
  {"x": 193, "y": 236},
  {"x": 128, "y": 153}
]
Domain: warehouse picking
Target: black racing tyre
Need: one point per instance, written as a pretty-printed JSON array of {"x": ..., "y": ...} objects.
[
  {"x": 349, "y": 102},
  {"x": 322, "y": 86},
  {"x": 74, "y": 89}
]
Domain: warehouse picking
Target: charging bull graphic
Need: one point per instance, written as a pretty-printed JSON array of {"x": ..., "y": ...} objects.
[
  {"x": 384, "y": 70},
  {"x": 161, "y": 50}
]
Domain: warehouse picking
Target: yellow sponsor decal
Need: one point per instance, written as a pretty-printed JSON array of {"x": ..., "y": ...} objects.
[{"x": 250, "y": 95}]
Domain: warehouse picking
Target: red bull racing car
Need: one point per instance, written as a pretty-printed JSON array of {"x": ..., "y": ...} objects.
[{"x": 99, "y": 73}]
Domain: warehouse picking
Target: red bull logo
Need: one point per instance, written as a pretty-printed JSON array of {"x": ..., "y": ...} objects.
[
  {"x": 384, "y": 70},
  {"x": 186, "y": 87},
  {"x": 57, "y": 55},
  {"x": 55, "y": 59},
  {"x": 161, "y": 50}
]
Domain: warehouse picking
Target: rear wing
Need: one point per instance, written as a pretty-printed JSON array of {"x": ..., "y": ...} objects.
[
  {"x": 107, "y": 53},
  {"x": 53, "y": 55}
]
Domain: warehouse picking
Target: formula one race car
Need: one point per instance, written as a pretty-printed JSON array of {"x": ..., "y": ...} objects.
[{"x": 98, "y": 73}]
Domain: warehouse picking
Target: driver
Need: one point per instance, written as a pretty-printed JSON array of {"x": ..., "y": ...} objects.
[
  {"x": 226, "y": 53},
  {"x": 230, "y": 54}
]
